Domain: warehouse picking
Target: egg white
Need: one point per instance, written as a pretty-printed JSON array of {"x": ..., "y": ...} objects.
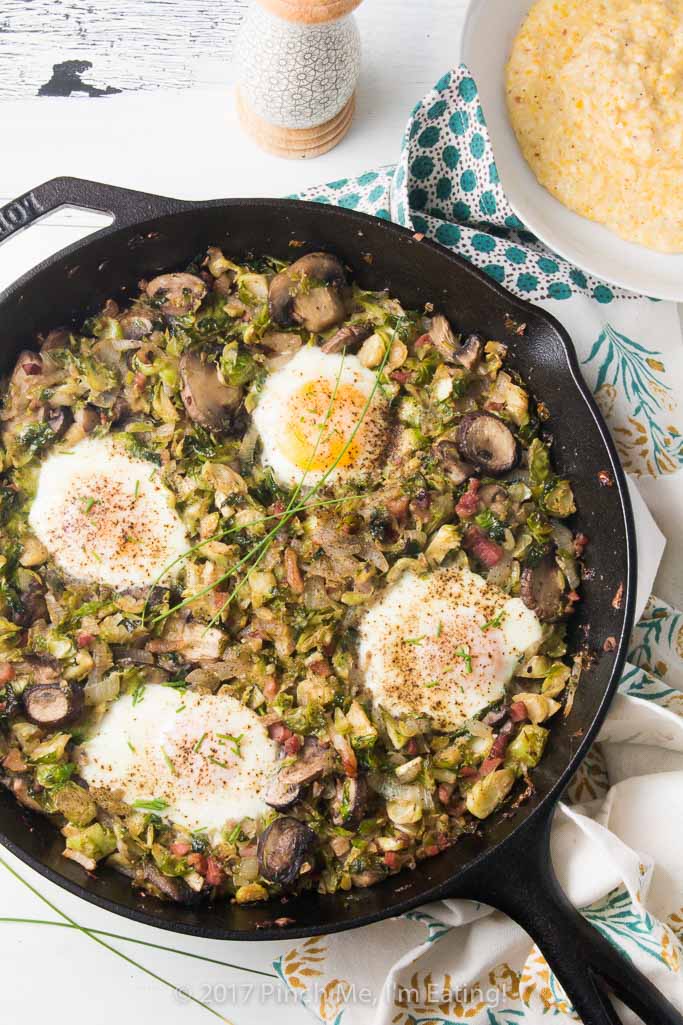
[
  {"x": 307, "y": 412},
  {"x": 105, "y": 517},
  {"x": 172, "y": 747},
  {"x": 423, "y": 650}
]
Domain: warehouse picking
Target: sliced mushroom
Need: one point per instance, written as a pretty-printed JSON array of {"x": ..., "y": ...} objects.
[
  {"x": 350, "y": 802},
  {"x": 313, "y": 292},
  {"x": 312, "y": 763},
  {"x": 177, "y": 294},
  {"x": 282, "y": 849},
  {"x": 207, "y": 400},
  {"x": 543, "y": 588},
  {"x": 56, "y": 339},
  {"x": 87, "y": 418},
  {"x": 348, "y": 337},
  {"x": 135, "y": 324},
  {"x": 52, "y": 704},
  {"x": 172, "y": 887},
  {"x": 442, "y": 337},
  {"x": 41, "y": 668},
  {"x": 469, "y": 353},
  {"x": 19, "y": 788},
  {"x": 59, "y": 419},
  {"x": 488, "y": 443},
  {"x": 368, "y": 877},
  {"x": 457, "y": 470}
]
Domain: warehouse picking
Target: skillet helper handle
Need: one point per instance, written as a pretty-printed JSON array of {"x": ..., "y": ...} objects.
[
  {"x": 125, "y": 205},
  {"x": 587, "y": 965}
]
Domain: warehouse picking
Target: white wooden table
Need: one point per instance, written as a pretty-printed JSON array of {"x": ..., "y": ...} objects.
[{"x": 172, "y": 129}]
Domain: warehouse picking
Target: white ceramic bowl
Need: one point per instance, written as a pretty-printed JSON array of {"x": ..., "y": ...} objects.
[{"x": 490, "y": 28}]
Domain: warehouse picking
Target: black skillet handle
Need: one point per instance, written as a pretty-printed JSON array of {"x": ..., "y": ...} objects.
[
  {"x": 125, "y": 205},
  {"x": 525, "y": 887}
]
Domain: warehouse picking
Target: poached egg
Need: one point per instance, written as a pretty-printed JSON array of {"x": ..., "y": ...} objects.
[
  {"x": 200, "y": 759},
  {"x": 105, "y": 517},
  {"x": 308, "y": 411},
  {"x": 444, "y": 645}
]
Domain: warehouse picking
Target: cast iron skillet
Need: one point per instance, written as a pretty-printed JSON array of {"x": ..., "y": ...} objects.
[{"x": 509, "y": 865}]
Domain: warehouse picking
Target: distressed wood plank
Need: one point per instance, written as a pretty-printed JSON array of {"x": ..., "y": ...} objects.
[{"x": 108, "y": 46}]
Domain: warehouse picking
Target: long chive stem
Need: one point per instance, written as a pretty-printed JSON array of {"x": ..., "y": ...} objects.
[{"x": 260, "y": 548}]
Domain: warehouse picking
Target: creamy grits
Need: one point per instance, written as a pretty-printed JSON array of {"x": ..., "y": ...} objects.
[{"x": 595, "y": 95}]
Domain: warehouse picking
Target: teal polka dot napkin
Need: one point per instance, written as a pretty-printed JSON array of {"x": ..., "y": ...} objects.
[{"x": 446, "y": 185}]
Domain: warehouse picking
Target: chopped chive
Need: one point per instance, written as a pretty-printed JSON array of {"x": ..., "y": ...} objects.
[
  {"x": 235, "y": 742},
  {"x": 432, "y": 683},
  {"x": 138, "y": 694},
  {"x": 414, "y": 640},
  {"x": 155, "y": 804},
  {"x": 439, "y": 628},
  {"x": 464, "y": 654},
  {"x": 495, "y": 622},
  {"x": 215, "y": 761},
  {"x": 96, "y": 557},
  {"x": 234, "y": 833},
  {"x": 199, "y": 743},
  {"x": 88, "y": 503},
  {"x": 131, "y": 747},
  {"x": 180, "y": 708},
  {"x": 169, "y": 763},
  {"x": 137, "y": 490}
]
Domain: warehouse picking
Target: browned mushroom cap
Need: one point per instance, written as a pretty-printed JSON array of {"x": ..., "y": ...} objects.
[
  {"x": 469, "y": 353},
  {"x": 368, "y": 877},
  {"x": 56, "y": 339},
  {"x": 172, "y": 887},
  {"x": 59, "y": 419},
  {"x": 32, "y": 599},
  {"x": 487, "y": 442},
  {"x": 177, "y": 294},
  {"x": 52, "y": 704},
  {"x": 350, "y": 801},
  {"x": 348, "y": 337},
  {"x": 287, "y": 786},
  {"x": 88, "y": 418},
  {"x": 282, "y": 849},
  {"x": 207, "y": 400},
  {"x": 543, "y": 588},
  {"x": 448, "y": 455},
  {"x": 135, "y": 324},
  {"x": 313, "y": 292}
]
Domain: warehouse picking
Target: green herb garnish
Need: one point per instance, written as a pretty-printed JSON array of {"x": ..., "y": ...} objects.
[
  {"x": 493, "y": 624},
  {"x": 169, "y": 763},
  {"x": 235, "y": 742},
  {"x": 138, "y": 694},
  {"x": 464, "y": 654},
  {"x": 155, "y": 804}
]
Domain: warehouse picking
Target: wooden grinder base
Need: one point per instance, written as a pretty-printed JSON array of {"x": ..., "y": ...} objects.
[{"x": 295, "y": 143}]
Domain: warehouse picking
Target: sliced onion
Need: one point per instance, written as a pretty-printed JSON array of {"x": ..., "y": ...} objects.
[
  {"x": 98, "y": 692},
  {"x": 499, "y": 575},
  {"x": 124, "y": 344},
  {"x": 139, "y": 656},
  {"x": 479, "y": 729}
]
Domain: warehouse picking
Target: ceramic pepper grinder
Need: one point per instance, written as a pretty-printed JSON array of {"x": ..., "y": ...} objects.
[{"x": 297, "y": 66}]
